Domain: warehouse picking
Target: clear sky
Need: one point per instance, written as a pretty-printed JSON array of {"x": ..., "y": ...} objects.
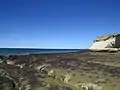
[{"x": 56, "y": 23}]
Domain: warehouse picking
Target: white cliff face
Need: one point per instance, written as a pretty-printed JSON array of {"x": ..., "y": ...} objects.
[{"x": 103, "y": 44}]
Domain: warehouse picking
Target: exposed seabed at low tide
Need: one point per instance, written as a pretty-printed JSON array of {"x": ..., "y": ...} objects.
[{"x": 61, "y": 71}]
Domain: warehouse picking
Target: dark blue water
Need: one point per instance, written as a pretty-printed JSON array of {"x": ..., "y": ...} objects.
[{"x": 23, "y": 51}]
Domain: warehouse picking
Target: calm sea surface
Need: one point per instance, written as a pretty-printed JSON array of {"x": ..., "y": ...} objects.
[{"x": 19, "y": 51}]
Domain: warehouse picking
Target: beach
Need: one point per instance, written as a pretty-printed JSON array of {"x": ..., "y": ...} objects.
[{"x": 61, "y": 71}]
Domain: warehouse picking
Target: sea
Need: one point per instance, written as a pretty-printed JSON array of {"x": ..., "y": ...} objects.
[{"x": 27, "y": 51}]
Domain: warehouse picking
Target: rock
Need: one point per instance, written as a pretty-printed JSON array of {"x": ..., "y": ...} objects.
[
  {"x": 3, "y": 73},
  {"x": 51, "y": 73},
  {"x": 2, "y": 57},
  {"x": 57, "y": 87},
  {"x": 44, "y": 67},
  {"x": 1, "y": 61},
  {"x": 20, "y": 66},
  {"x": 6, "y": 84},
  {"x": 90, "y": 86},
  {"x": 101, "y": 81},
  {"x": 47, "y": 85},
  {"x": 10, "y": 62},
  {"x": 54, "y": 87},
  {"x": 12, "y": 57},
  {"x": 28, "y": 87},
  {"x": 67, "y": 78},
  {"x": 24, "y": 83},
  {"x": 59, "y": 77},
  {"x": 78, "y": 85},
  {"x": 66, "y": 88},
  {"x": 107, "y": 43}
]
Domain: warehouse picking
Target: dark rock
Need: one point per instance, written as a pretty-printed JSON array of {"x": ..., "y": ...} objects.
[
  {"x": 12, "y": 57},
  {"x": 57, "y": 87},
  {"x": 6, "y": 84},
  {"x": 66, "y": 88},
  {"x": 2, "y": 57},
  {"x": 54, "y": 87}
]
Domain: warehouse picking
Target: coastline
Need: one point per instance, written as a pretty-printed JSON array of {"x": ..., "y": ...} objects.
[{"x": 27, "y": 51}]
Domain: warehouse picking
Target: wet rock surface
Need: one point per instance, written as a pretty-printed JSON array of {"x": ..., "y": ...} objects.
[{"x": 59, "y": 71}]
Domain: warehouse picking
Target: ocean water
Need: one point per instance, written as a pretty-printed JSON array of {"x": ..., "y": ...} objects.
[{"x": 26, "y": 51}]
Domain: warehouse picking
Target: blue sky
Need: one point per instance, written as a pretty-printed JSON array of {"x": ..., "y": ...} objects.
[{"x": 56, "y": 23}]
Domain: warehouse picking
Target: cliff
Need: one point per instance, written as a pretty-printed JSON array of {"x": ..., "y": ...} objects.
[{"x": 106, "y": 42}]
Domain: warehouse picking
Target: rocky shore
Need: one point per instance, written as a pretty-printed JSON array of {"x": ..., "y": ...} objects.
[{"x": 61, "y": 71}]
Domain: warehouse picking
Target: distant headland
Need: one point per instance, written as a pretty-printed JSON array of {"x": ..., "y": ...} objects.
[{"x": 109, "y": 42}]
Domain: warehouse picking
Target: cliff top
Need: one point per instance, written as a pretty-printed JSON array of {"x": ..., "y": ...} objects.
[{"x": 105, "y": 37}]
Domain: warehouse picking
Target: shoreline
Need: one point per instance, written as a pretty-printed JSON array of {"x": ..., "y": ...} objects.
[
  {"x": 52, "y": 52},
  {"x": 15, "y": 51}
]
